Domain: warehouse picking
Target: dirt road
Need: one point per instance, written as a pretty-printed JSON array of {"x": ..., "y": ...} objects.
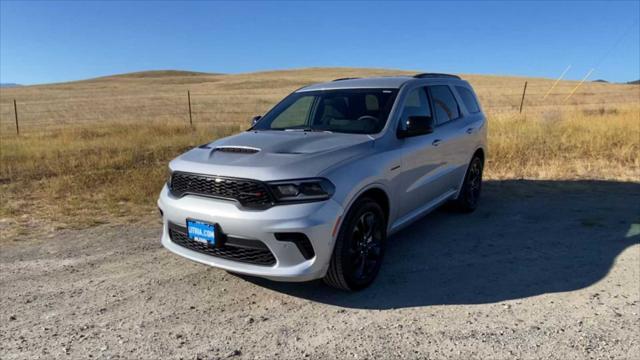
[{"x": 544, "y": 269}]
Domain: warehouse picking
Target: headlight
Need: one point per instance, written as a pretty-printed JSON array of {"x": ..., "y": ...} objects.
[{"x": 302, "y": 190}]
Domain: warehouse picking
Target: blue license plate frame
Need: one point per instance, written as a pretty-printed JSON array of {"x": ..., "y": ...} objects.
[{"x": 203, "y": 231}]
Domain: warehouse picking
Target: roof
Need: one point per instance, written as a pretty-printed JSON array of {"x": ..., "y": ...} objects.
[{"x": 384, "y": 82}]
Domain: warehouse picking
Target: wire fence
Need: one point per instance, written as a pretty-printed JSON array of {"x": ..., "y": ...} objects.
[{"x": 32, "y": 115}]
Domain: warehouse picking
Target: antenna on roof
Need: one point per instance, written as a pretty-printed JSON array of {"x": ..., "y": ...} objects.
[
  {"x": 435, "y": 76},
  {"x": 347, "y": 78}
]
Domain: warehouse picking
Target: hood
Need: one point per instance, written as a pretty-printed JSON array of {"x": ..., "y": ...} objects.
[{"x": 273, "y": 155}]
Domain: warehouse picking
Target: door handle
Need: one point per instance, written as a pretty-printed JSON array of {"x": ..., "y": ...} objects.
[
  {"x": 436, "y": 142},
  {"x": 470, "y": 130}
]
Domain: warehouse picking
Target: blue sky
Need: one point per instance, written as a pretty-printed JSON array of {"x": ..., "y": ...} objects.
[{"x": 43, "y": 42}]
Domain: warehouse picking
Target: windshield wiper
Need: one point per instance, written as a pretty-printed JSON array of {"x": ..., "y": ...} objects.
[
  {"x": 308, "y": 129},
  {"x": 317, "y": 130}
]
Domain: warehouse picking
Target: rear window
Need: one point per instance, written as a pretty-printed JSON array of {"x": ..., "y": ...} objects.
[
  {"x": 468, "y": 99},
  {"x": 444, "y": 104}
]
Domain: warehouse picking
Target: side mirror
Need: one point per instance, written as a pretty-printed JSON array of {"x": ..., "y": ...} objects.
[
  {"x": 417, "y": 125},
  {"x": 255, "y": 120}
]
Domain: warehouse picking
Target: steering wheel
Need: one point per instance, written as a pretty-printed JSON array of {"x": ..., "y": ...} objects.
[
  {"x": 372, "y": 121},
  {"x": 368, "y": 117}
]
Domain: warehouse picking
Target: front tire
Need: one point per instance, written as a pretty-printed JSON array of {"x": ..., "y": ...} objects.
[
  {"x": 469, "y": 196},
  {"x": 359, "y": 247}
]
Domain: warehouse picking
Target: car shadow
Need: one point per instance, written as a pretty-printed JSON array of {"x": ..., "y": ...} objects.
[{"x": 527, "y": 238}]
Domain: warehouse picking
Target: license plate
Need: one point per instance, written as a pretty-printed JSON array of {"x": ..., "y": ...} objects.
[{"x": 202, "y": 231}]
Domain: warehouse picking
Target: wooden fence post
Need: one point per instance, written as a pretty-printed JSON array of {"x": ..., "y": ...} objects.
[
  {"x": 15, "y": 109},
  {"x": 523, "y": 93},
  {"x": 190, "y": 117}
]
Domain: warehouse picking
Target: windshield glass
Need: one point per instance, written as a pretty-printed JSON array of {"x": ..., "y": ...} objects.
[{"x": 358, "y": 111}]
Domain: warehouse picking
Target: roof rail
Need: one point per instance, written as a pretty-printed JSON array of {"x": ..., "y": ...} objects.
[
  {"x": 435, "y": 75},
  {"x": 347, "y": 78}
]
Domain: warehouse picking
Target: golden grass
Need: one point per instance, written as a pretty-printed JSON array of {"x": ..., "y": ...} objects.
[
  {"x": 96, "y": 151},
  {"x": 81, "y": 177},
  {"x": 569, "y": 144}
]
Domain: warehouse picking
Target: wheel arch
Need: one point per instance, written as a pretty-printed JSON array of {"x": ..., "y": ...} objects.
[
  {"x": 479, "y": 152},
  {"x": 379, "y": 196},
  {"x": 376, "y": 192}
]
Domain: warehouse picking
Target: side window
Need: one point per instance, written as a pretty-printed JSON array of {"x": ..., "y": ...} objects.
[
  {"x": 415, "y": 104},
  {"x": 468, "y": 99},
  {"x": 295, "y": 115},
  {"x": 444, "y": 104}
]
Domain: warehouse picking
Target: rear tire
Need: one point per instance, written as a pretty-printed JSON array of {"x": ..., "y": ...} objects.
[
  {"x": 359, "y": 249},
  {"x": 469, "y": 196}
]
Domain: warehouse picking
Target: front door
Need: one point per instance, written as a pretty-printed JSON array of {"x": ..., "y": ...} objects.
[{"x": 424, "y": 159}]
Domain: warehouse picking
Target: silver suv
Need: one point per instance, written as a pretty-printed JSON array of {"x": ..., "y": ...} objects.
[{"x": 315, "y": 186}]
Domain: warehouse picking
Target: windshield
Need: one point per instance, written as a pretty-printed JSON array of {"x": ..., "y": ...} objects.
[{"x": 357, "y": 111}]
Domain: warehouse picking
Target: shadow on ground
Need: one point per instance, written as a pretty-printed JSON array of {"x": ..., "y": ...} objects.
[{"x": 527, "y": 238}]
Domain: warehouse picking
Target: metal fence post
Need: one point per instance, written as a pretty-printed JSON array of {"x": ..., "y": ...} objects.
[
  {"x": 523, "y": 93},
  {"x": 189, "y": 99},
  {"x": 15, "y": 109}
]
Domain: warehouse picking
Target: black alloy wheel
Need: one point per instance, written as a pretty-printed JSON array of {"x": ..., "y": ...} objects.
[
  {"x": 472, "y": 186},
  {"x": 359, "y": 247}
]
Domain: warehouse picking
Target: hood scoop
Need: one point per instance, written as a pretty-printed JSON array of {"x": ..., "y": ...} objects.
[{"x": 236, "y": 149}]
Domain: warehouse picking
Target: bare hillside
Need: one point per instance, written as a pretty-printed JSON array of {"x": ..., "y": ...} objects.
[{"x": 227, "y": 99}]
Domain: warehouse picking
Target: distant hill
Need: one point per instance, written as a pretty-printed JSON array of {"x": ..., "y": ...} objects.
[
  {"x": 9, "y": 85},
  {"x": 159, "y": 74},
  {"x": 637, "y": 82}
]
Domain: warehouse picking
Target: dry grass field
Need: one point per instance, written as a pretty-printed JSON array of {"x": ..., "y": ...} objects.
[{"x": 96, "y": 151}]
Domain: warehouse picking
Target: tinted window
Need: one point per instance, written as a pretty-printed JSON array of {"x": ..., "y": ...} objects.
[
  {"x": 361, "y": 111},
  {"x": 294, "y": 115},
  {"x": 444, "y": 104},
  {"x": 468, "y": 99},
  {"x": 415, "y": 104}
]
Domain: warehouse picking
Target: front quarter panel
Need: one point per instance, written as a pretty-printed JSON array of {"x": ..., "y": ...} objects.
[{"x": 374, "y": 170}]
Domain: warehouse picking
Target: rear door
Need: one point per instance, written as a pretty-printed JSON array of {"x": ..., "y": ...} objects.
[
  {"x": 452, "y": 136},
  {"x": 474, "y": 119}
]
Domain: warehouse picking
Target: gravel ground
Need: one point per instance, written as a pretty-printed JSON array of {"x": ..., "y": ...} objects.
[{"x": 543, "y": 269}]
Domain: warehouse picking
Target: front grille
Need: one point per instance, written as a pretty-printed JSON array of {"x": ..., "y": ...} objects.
[
  {"x": 246, "y": 251},
  {"x": 250, "y": 193}
]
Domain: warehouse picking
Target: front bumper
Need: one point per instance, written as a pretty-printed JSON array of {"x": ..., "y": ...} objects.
[{"x": 316, "y": 220}]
